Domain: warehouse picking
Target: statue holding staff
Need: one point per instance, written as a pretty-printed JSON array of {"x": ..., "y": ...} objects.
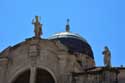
[{"x": 38, "y": 27}]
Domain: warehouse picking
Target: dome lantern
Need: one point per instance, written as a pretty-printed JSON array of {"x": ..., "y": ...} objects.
[{"x": 67, "y": 26}]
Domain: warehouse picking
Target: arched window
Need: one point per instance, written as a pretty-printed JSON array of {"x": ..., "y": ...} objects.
[
  {"x": 24, "y": 77},
  {"x": 43, "y": 76}
]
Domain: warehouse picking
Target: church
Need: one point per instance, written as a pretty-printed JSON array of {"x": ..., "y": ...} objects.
[{"x": 64, "y": 57}]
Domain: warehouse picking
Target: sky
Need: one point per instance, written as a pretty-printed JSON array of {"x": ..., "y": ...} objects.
[{"x": 100, "y": 22}]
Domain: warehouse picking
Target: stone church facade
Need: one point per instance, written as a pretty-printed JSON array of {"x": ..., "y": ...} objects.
[{"x": 64, "y": 57}]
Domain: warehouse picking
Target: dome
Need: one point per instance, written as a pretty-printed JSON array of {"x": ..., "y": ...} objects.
[
  {"x": 74, "y": 42},
  {"x": 67, "y": 35}
]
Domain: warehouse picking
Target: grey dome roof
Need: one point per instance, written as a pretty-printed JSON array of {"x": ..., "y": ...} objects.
[
  {"x": 67, "y": 35},
  {"x": 74, "y": 42}
]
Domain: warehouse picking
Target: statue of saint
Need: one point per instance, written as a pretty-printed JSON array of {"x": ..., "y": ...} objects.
[
  {"x": 38, "y": 27},
  {"x": 107, "y": 57}
]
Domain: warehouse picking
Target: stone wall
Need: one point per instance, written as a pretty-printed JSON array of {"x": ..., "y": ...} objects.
[{"x": 34, "y": 53}]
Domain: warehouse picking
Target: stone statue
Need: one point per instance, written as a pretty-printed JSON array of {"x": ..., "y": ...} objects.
[
  {"x": 107, "y": 57},
  {"x": 38, "y": 27}
]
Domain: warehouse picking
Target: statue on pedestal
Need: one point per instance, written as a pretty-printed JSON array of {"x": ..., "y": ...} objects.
[
  {"x": 107, "y": 57},
  {"x": 38, "y": 27}
]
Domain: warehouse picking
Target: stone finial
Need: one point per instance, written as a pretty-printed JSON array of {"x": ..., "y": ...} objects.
[
  {"x": 67, "y": 26},
  {"x": 37, "y": 27},
  {"x": 107, "y": 57}
]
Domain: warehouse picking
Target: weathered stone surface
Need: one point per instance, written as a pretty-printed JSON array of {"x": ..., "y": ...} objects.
[
  {"x": 51, "y": 56},
  {"x": 40, "y": 54}
]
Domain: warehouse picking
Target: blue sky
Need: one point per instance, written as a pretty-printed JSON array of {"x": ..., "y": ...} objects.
[{"x": 100, "y": 22}]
